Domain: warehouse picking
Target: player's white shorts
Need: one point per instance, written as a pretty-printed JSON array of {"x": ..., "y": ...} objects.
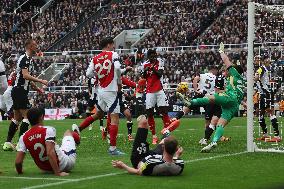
[
  {"x": 3, "y": 84},
  {"x": 66, "y": 154},
  {"x": 7, "y": 100},
  {"x": 108, "y": 102},
  {"x": 158, "y": 98}
]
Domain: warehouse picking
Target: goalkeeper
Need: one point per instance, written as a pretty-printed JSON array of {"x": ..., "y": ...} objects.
[{"x": 229, "y": 100}]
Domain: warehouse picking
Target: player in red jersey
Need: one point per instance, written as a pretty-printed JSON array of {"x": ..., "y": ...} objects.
[
  {"x": 108, "y": 71},
  {"x": 153, "y": 70},
  {"x": 40, "y": 142}
]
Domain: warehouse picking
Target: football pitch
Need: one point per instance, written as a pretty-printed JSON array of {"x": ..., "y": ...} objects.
[{"x": 228, "y": 166}]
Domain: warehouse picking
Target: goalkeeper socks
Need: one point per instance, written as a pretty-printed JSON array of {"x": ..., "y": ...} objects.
[
  {"x": 88, "y": 121},
  {"x": 166, "y": 120},
  {"x": 12, "y": 130},
  {"x": 200, "y": 101},
  {"x": 262, "y": 124},
  {"x": 218, "y": 134},
  {"x": 24, "y": 127},
  {"x": 129, "y": 125},
  {"x": 152, "y": 125},
  {"x": 113, "y": 130},
  {"x": 274, "y": 123},
  {"x": 209, "y": 131}
]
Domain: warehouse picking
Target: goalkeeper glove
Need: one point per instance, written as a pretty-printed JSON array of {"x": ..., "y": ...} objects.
[
  {"x": 183, "y": 99},
  {"x": 221, "y": 48}
]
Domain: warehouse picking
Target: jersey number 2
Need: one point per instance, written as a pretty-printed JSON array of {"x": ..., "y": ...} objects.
[{"x": 42, "y": 149}]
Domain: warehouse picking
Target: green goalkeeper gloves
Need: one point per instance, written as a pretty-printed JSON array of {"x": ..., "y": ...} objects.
[{"x": 183, "y": 98}]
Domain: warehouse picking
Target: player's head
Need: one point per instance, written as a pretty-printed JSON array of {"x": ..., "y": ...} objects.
[
  {"x": 152, "y": 54},
  {"x": 257, "y": 60},
  {"x": 107, "y": 44},
  {"x": 35, "y": 116},
  {"x": 213, "y": 70},
  {"x": 31, "y": 46},
  {"x": 170, "y": 145}
]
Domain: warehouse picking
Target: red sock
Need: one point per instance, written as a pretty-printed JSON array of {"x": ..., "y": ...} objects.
[
  {"x": 76, "y": 137},
  {"x": 152, "y": 125},
  {"x": 88, "y": 121},
  {"x": 113, "y": 130},
  {"x": 166, "y": 120},
  {"x": 174, "y": 125}
]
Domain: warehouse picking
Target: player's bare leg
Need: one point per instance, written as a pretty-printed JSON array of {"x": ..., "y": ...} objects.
[
  {"x": 152, "y": 125},
  {"x": 129, "y": 124},
  {"x": 8, "y": 146}
]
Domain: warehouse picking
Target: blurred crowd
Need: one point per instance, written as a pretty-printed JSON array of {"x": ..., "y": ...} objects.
[{"x": 174, "y": 23}]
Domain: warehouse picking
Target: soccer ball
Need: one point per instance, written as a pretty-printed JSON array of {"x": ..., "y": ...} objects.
[{"x": 182, "y": 87}]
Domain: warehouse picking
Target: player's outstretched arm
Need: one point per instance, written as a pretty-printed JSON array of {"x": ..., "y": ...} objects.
[
  {"x": 120, "y": 165},
  {"x": 19, "y": 162},
  {"x": 27, "y": 76},
  {"x": 36, "y": 88},
  {"x": 50, "y": 151},
  {"x": 224, "y": 57}
]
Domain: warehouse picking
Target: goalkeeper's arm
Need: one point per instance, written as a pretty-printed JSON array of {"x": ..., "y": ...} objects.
[{"x": 224, "y": 57}]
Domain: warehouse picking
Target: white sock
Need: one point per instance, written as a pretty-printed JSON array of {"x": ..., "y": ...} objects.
[
  {"x": 112, "y": 148},
  {"x": 212, "y": 126}
]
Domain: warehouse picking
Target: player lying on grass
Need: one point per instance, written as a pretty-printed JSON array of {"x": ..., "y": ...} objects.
[
  {"x": 39, "y": 141},
  {"x": 229, "y": 100},
  {"x": 163, "y": 160}
]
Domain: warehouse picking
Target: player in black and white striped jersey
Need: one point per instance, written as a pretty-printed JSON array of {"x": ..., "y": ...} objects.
[
  {"x": 163, "y": 160},
  {"x": 20, "y": 92}
]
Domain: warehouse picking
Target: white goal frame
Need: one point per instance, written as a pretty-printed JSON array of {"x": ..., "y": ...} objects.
[{"x": 275, "y": 9}]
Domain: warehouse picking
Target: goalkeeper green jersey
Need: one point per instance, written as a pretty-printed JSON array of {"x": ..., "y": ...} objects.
[{"x": 235, "y": 85}]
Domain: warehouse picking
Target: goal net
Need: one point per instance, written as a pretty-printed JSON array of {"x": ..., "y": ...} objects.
[{"x": 265, "y": 78}]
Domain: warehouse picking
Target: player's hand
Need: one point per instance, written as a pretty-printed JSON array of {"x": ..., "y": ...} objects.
[
  {"x": 179, "y": 152},
  {"x": 117, "y": 164},
  {"x": 221, "y": 48},
  {"x": 62, "y": 174},
  {"x": 44, "y": 82}
]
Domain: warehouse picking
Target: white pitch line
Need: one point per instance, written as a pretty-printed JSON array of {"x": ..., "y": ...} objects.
[
  {"x": 32, "y": 178},
  {"x": 119, "y": 173},
  {"x": 215, "y": 157},
  {"x": 73, "y": 180}
]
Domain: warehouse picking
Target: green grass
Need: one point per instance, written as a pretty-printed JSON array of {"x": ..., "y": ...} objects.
[{"x": 247, "y": 170}]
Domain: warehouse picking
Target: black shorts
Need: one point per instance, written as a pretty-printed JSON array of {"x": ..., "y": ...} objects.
[
  {"x": 20, "y": 98},
  {"x": 266, "y": 100},
  {"x": 92, "y": 102},
  {"x": 140, "y": 148},
  {"x": 140, "y": 107},
  {"x": 123, "y": 106},
  {"x": 212, "y": 110}
]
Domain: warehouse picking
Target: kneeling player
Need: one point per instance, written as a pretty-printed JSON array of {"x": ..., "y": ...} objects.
[
  {"x": 40, "y": 142},
  {"x": 164, "y": 160}
]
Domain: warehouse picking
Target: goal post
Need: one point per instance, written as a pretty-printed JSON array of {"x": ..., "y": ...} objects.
[{"x": 252, "y": 8}]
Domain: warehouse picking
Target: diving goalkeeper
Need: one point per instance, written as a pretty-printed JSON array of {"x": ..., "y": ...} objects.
[{"x": 229, "y": 100}]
